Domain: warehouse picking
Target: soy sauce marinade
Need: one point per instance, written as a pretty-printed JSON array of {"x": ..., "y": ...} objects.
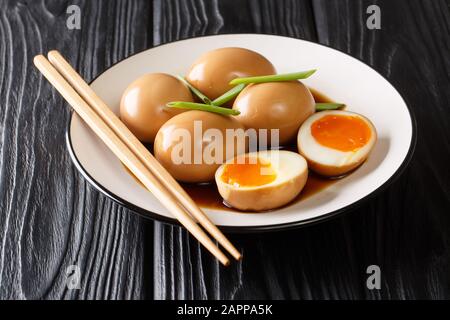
[{"x": 206, "y": 195}]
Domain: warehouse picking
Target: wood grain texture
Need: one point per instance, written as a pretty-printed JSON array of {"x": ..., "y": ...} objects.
[
  {"x": 50, "y": 217},
  {"x": 405, "y": 230}
]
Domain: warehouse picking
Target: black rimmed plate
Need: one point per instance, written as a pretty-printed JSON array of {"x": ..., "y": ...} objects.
[{"x": 339, "y": 76}]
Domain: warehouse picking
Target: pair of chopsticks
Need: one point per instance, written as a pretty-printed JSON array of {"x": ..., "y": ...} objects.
[{"x": 119, "y": 139}]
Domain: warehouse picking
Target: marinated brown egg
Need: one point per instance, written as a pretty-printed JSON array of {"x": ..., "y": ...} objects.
[
  {"x": 214, "y": 70},
  {"x": 192, "y": 145},
  {"x": 143, "y": 105},
  {"x": 275, "y": 105}
]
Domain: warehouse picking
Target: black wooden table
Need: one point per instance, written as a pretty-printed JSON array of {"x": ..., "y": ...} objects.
[{"x": 51, "y": 218}]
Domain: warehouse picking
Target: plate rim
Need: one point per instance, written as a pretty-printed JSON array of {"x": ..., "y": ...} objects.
[{"x": 258, "y": 228}]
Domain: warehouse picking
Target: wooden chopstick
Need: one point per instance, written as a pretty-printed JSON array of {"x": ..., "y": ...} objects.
[
  {"x": 115, "y": 144},
  {"x": 119, "y": 128}
]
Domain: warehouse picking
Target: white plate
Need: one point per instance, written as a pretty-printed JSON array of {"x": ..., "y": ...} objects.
[{"x": 339, "y": 76}]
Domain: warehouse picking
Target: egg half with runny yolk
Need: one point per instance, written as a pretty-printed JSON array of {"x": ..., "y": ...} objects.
[
  {"x": 336, "y": 142},
  {"x": 262, "y": 180}
]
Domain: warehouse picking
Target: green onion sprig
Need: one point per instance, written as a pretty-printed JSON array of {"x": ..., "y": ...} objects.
[
  {"x": 229, "y": 95},
  {"x": 203, "y": 107},
  {"x": 274, "y": 78},
  {"x": 194, "y": 90},
  {"x": 329, "y": 106}
]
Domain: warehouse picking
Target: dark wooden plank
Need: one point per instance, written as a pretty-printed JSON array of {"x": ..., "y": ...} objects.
[
  {"x": 175, "y": 19},
  {"x": 50, "y": 217},
  {"x": 404, "y": 230}
]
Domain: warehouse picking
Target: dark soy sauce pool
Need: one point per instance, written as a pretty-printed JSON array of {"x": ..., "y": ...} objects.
[{"x": 207, "y": 196}]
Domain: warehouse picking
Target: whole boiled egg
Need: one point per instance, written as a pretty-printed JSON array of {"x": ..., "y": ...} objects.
[
  {"x": 193, "y": 144},
  {"x": 213, "y": 71},
  {"x": 143, "y": 104},
  {"x": 262, "y": 180},
  {"x": 336, "y": 142},
  {"x": 281, "y": 106}
]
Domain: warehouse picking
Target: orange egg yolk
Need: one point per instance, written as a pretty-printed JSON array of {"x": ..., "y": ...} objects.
[
  {"x": 249, "y": 173},
  {"x": 341, "y": 132}
]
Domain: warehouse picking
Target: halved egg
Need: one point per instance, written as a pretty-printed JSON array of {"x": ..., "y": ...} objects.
[
  {"x": 336, "y": 142},
  {"x": 263, "y": 180}
]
